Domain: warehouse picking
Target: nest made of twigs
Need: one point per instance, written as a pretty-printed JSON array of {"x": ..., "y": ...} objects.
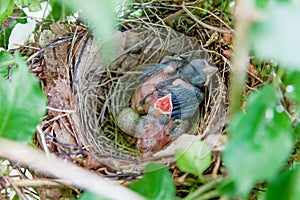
[
  {"x": 85, "y": 95},
  {"x": 101, "y": 93}
]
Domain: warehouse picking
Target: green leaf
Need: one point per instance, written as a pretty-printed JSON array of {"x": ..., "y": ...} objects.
[
  {"x": 276, "y": 36},
  {"x": 5, "y": 35},
  {"x": 59, "y": 10},
  {"x": 22, "y": 104},
  {"x": 6, "y": 8},
  {"x": 33, "y": 5},
  {"x": 261, "y": 141},
  {"x": 5, "y": 59},
  {"x": 157, "y": 183},
  {"x": 285, "y": 186},
  {"x": 195, "y": 159},
  {"x": 91, "y": 196},
  {"x": 7, "y": 62},
  {"x": 265, "y": 3},
  {"x": 292, "y": 85},
  {"x": 261, "y": 3}
]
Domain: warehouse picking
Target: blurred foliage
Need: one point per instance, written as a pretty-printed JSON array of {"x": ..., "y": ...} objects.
[
  {"x": 195, "y": 159},
  {"x": 275, "y": 36},
  {"x": 33, "y": 5},
  {"x": 5, "y": 59},
  {"x": 100, "y": 15},
  {"x": 285, "y": 186},
  {"x": 60, "y": 10},
  {"x": 261, "y": 140},
  {"x": 6, "y": 8},
  {"x": 22, "y": 104},
  {"x": 262, "y": 136},
  {"x": 157, "y": 183},
  {"x": 87, "y": 195}
]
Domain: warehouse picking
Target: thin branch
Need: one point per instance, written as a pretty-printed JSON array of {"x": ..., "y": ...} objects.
[
  {"x": 43, "y": 140},
  {"x": 220, "y": 30},
  {"x": 65, "y": 170},
  {"x": 203, "y": 189},
  {"x": 212, "y": 14},
  {"x": 60, "y": 110},
  {"x": 17, "y": 190},
  {"x": 40, "y": 182}
]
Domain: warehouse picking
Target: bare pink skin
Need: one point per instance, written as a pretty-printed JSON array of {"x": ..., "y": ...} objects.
[
  {"x": 139, "y": 94},
  {"x": 153, "y": 129},
  {"x": 150, "y": 143}
]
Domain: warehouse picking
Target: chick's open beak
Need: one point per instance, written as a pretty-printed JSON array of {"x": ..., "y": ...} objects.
[{"x": 164, "y": 104}]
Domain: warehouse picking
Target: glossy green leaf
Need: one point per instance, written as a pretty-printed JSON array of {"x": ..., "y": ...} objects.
[
  {"x": 195, "y": 159},
  {"x": 261, "y": 141},
  {"x": 22, "y": 104},
  {"x": 285, "y": 186},
  {"x": 33, "y": 5},
  {"x": 6, "y": 8},
  {"x": 157, "y": 183},
  {"x": 276, "y": 36}
]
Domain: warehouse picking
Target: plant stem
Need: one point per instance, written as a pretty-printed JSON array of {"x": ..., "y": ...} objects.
[
  {"x": 209, "y": 195},
  {"x": 201, "y": 190},
  {"x": 7, "y": 63},
  {"x": 244, "y": 17}
]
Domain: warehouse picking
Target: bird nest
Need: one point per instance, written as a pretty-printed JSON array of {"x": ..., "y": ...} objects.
[{"x": 86, "y": 95}]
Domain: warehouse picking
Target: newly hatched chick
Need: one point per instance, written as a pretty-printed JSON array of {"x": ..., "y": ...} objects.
[
  {"x": 152, "y": 130},
  {"x": 181, "y": 78},
  {"x": 146, "y": 94}
]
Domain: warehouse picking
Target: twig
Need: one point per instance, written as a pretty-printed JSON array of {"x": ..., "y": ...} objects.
[
  {"x": 172, "y": 16},
  {"x": 43, "y": 18},
  {"x": 60, "y": 110},
  {"x": 44, "y": 144},
  {"x": 65, "y": 170},
  {"x": 52, "y": 45},
  {"x": 17, "y": 190},
  {"x": 206, "y": 187},
  {"x": 212, "y": 14},
  {"x": 220, "y": 30},
  {"x": 209, "y": 195},
  {"x": 40, "y": 182},
  {"x": 217, "y": 166}
]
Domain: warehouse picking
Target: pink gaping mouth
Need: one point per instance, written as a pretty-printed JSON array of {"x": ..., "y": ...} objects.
[{"x": 164, "y": 104}]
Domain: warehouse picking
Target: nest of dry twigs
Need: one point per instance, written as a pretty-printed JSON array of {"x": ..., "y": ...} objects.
[{"x": 85, "y": 93}]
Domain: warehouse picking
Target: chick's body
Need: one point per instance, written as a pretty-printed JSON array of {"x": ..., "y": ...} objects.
[
  {"x": 152, "y": 131},
  {"x": 181, "y": 78},
  {"x": 177, "y": 82},
  {"x": 146, "y": 94}
]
